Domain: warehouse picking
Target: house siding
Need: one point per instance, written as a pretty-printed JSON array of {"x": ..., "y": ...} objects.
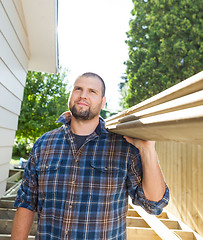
[{"x": 14, "y": 55}]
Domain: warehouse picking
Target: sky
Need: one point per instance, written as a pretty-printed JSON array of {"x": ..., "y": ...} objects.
[{"x": 92, "y": 36}]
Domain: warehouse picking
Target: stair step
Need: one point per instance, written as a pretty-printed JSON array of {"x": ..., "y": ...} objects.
[
  {"x": 8, "y": 237},
  {"x": 185, "y": 235},
  {"x": 136, "y": 222},
  {"x": 171, "y": 224},
  {"x": 7, "y": 213},
  {"x": 163, "y": 215},
  {"x": 6, "y": 227},
  {"x": 141, "y": 233},
  {"x": 132, "y": 213},
  {"x": 6, "y": 204}
]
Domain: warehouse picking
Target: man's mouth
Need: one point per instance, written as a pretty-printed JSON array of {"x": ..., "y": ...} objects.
[{"x": 82, "y": 104}]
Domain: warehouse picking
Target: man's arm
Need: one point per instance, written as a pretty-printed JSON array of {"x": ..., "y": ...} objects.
[
  {"x": 153, "y": 183},
  {"x": 22, "y": 224}
]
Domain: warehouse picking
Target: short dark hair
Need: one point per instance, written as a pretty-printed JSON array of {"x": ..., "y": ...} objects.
[{"x": 90, "y": 74}]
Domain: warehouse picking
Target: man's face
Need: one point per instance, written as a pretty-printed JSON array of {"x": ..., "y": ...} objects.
[{"x": 86, "y": 99}]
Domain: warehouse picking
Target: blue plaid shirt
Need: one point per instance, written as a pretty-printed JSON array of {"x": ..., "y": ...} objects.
[{"x": 83, "y": 194}]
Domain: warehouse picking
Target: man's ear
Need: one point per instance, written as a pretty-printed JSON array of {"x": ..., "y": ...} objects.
[{"x": 103, "y": 102}]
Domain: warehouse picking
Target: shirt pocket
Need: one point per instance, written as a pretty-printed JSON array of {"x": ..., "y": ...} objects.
[
  {"x": 109, "y": 174},
  {"x": 47, "y": 180}
]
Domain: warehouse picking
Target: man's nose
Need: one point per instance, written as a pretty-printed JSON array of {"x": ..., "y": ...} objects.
[{"x": 83, "y": 94}]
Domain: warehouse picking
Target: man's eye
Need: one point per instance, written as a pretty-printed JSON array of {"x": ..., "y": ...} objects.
[{"x": 92, "y": 91}]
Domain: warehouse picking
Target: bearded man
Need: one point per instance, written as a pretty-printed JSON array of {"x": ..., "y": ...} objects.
[{"x": 79, "y": 176}]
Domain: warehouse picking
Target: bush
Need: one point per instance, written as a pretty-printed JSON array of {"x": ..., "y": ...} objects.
[{"x": 22, "y": 147}]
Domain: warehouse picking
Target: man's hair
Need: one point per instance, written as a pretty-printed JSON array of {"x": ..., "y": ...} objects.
[{"x": 90, "y": 74}]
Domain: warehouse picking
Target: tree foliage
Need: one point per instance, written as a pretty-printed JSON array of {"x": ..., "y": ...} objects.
[
  {"x": 45, "y": 98},
  {"x": 165, "y": 46}
]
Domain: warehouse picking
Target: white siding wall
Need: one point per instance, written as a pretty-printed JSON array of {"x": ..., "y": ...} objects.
[{"x": 14, "y": 56}]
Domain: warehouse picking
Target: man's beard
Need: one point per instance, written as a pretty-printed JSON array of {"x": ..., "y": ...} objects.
[{"x": 82, "y": 114}]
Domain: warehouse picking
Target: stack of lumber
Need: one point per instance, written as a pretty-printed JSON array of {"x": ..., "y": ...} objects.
[{"x": 175, "y": 114}]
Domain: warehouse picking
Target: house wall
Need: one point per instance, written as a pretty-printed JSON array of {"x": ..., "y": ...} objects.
[
  {"x": 14, "y": 55},
  {"x": 182, "y": 165}
]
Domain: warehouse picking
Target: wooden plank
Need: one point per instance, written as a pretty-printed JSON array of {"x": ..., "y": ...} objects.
[
  {"x": 179, "y": 125},
  {"x": 12, "y": 39},
  {"x": 10, "y": 213},
  {"x": 179, "y": 181},
  {"x": 130, "y": 207},
  {"x": 16, "y": 24},
  {"x": 171, "y": 224},
  {"x": 132, "y": 213},
  {"x": 8, "y": 119},
  {"x": 161, "y": 230},
  {"x": 9, "y": 185},
  {"x": 6, "y": 204},
  {"x": 6, "y": 227},
  {"x": 2, "y": 188},
  {"x": 200, "y": 190},
  {"x": 163, "y": 215},
  {"x": 8, "y": 237},
  {"x": 9, "y": 57},
  {"x": 11, "y": 192},
  {"x": 136, "y": 222},
  {"x": 191, "y": 100},
  {"x": 7, "y": 213},
  {"x": 9, "y": 101},
  {"x": 183, "y": 182},
  {"x": 194, "y": 186},
  {"x": 10, "y": 82},
  {"x": 15, "y": 177},
  {"x": 14, "y": 171},
  {"x": 188, "y": 86},
  {"x": 189, "y": 200},
  {"x": 185, "y": 235},
  {"x": 141, "y": 234}
]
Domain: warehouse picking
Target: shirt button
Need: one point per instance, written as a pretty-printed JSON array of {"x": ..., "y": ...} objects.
[
  {"x": 70, "y": 206},
  {"x": 106, "y": 168}
]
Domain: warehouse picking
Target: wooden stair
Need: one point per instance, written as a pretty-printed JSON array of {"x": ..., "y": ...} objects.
[{"x": 140, "y": 225}]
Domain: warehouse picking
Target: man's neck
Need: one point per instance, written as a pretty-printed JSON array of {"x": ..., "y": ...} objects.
[{"x": 83, "y": 127}]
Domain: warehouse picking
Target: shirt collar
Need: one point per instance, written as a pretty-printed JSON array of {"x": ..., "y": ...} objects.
[{"x": 65, "y": 119}]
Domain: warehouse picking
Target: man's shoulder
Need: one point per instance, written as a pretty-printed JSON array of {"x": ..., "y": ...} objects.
[
  {"x": 50, "y": 136},
  {"x": 121, "y": 143}
]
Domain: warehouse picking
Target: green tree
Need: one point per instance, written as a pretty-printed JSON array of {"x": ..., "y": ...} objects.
[
  {"x": 45, "y": 98},
  {"x": 165, "y": 46}
]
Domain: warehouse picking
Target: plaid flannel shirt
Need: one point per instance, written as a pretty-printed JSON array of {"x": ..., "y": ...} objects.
[{"x": 83, "y": 194}]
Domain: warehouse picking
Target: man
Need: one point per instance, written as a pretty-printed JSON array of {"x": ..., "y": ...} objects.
[{"x": 79, "y": 176}]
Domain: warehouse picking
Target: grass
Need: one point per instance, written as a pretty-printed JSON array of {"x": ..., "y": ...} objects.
[{"x": 14, "y": 160}]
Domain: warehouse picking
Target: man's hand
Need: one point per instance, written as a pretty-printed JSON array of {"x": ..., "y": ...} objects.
[
  {"x": 141, "y": 144},
  {"x": 153, "y": 182}
]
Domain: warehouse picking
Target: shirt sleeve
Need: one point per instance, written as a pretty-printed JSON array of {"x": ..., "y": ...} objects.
[
  {"x": 135, "y": 190},
  {"x": 27, "y": 193}
]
